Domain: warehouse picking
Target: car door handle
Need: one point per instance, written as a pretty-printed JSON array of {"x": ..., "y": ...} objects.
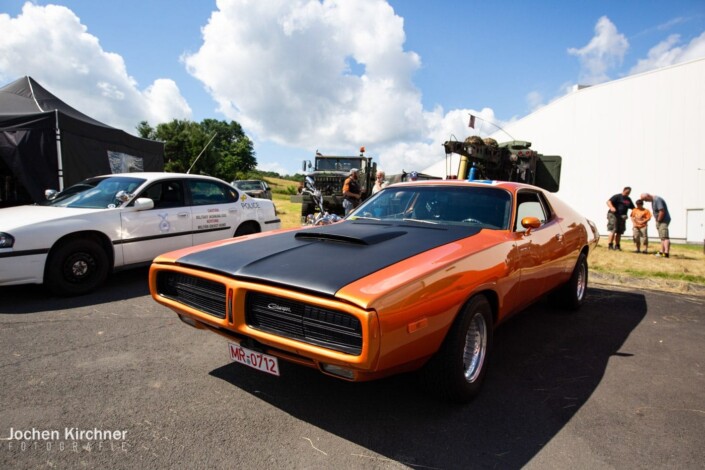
[
  {"x": 232, "y": 209},
  {"x": 183, "y": 214}
]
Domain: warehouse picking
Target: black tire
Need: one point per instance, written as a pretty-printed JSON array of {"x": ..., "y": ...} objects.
[
  {"x": 76, "y": 267},
  {"x": 247, "y": 228},
  {"x": 458, "y": 369},
  {"x": 572, "y": 294},
  {"x": 307, "y": 208}
]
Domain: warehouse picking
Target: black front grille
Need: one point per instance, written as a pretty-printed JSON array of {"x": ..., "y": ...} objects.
[
  {"x": 329, "y": 185},
  {"x": 323, "y": 327},
  {"x": 201, "y": 294}
]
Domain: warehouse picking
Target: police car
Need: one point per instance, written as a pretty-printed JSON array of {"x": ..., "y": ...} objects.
[{"x": 73, "y": 240}]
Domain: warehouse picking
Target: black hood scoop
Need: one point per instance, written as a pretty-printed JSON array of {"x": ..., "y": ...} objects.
[{"x": 324, "y": 259}]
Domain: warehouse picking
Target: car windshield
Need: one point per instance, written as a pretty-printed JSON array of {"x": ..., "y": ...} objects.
[
  {"x": 451, "y": 205},
  {"x": 95, "y": 193},
  {"x": 248, "y": 185},
  {"x": 337, "y": 164}
]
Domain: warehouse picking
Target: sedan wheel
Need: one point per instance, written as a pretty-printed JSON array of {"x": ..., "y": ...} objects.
[
  {"x": 458, "y": 369},
  {"x": 76, "y": 267},
  {"x": 475, "y": 347},
  {"x": 572, "y": 294}
]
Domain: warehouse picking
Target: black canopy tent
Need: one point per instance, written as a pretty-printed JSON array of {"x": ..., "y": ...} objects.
[{"x": 47, "y": 144}]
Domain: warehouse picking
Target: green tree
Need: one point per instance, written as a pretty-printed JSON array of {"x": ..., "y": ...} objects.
[
  {"x": 145, "y": 131},
  {"x": 186, "y": 146}
]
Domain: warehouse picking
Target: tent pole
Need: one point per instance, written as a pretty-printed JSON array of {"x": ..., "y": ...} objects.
[{"x": 58, "y": 152}]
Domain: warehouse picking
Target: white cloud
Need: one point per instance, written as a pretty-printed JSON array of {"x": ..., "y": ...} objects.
[
  {"x": 535, "y": 100},
  {"x": 605, "y": 51},
  {"x": 50, "y": 44},
  {"x": 668, "y": 52},
  {"x": 274, "y": 167},
  {"x": 305, "y": 73}
]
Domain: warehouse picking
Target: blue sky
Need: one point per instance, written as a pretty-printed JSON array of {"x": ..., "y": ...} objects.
[{"x": 399, "y": 77}]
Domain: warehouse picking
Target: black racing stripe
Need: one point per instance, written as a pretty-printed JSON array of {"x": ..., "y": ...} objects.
[
  {"x": 167, "y": 235},
  {"x": 13, "y": 254},
  {"x": 324, "y": 259}
]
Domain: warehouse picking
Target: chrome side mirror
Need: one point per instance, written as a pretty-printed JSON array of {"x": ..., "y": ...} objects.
[
  {"x": 144, "y": 203},
  {"x": 50, "y": 194},
  {"x": 123, "y": 196}
]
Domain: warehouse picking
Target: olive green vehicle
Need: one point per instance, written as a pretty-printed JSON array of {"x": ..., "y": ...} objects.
[
  {"x": 329, "y": 173},
  {"x": 507, "y": 161}
]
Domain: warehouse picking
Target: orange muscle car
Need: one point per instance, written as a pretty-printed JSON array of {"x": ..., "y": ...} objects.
[{"x": 417, "y": 277}]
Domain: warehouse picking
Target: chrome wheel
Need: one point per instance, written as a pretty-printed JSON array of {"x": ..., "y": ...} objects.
[
  {"x": 78, "y": 267},
  {"x": 475, "y": 348},
  {"x": 581, "y": 282}
]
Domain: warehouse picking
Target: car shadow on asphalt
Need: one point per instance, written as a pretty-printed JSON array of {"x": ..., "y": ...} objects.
[
  {"x": 34, "y": 298},
  {"x": 544, "y": 367}
]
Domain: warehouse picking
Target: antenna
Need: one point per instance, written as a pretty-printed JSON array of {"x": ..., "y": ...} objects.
[
  {"x": 492, "y": 124},
  {"x": 199, "y": 155}
]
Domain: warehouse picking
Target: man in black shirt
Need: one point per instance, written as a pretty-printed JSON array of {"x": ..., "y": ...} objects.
[{"x": 619, "y": 205}]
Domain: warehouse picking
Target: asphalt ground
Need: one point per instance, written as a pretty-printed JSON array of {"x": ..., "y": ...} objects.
[{"x": 620, "y": 384}]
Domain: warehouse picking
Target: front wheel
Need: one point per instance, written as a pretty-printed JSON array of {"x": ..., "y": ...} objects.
[
  {"x": 76, "y": 267},
  {"x": 458, "y": 369}
]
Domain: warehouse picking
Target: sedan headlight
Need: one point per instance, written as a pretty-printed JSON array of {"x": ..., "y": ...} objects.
[{"x": 6, "y": 240}]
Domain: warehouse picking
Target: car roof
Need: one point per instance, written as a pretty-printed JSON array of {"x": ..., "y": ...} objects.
[
  {"x": 508, "y": 185},
  {"x": 156, "y": 175}
]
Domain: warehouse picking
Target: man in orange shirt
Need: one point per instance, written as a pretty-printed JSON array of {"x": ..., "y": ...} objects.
[
  {"x": 351, "y": 192},
  {"x": 640, "y": 218}
]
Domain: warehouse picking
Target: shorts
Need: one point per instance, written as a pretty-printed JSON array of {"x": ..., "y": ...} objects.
[
  {"x": 639, "y": 233},
  {"x": 615, "y": 223},
  {"x": 662, "y": 228}
]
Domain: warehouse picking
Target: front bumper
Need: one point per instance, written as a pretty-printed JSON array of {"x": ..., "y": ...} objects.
[
  {"x": 22, "y": 269},
  {"x": 223, "y": 308}
]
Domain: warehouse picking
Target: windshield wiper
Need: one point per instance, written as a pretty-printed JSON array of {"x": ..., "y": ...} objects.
[{"x": 421, "y": 221}]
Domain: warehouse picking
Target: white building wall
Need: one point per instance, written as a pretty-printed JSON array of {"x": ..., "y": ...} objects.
[{"x": 646, "y": 131}]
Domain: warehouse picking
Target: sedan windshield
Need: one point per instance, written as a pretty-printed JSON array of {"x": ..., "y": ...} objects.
[
  {"x": 95, "y": 193},
  {"x": 453, "y": 205},
  {"x": 248, "y": 185}
]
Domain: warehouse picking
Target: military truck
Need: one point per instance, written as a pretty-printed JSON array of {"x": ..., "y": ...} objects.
[
  {"x": 507, "y": 161},
  {"x": 329, "y": 173}
]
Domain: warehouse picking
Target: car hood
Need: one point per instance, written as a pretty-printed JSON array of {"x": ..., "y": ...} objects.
[
  {"x": 21, "y": 216},
  {"x": 324, "y": 259}
]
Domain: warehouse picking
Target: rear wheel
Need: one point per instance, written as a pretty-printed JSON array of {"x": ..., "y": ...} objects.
[
  {"x": 247, "y": 228},
  {"x": 458, "y": 369},
  {"x": 76, "y": 267},
  {"x": 572, "y": 294}
]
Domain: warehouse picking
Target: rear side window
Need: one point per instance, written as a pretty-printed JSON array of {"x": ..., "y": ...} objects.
[{"x": 210, "y": 192}]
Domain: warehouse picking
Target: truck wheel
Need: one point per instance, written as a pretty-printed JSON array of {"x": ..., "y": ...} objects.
[
  {"x": 76, "y": 267},
  {"x": 458, "y": 369},
  {"x": 572, "y": 294},
  {"x": 306, "y": 209}
]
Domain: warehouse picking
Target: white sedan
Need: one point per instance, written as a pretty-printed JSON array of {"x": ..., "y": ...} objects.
[{"x": 72, "y": 241}]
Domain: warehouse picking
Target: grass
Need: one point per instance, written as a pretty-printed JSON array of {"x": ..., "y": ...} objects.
[
  {"x": 684, "y": 271},
  {"x": 282, "y": 186},
  {"x": 288, "y": 212}
]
